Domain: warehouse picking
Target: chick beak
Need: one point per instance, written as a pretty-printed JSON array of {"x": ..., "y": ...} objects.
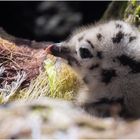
[
  {"x": 54, "y": 49},
  {"x": 58, "y": 50}
]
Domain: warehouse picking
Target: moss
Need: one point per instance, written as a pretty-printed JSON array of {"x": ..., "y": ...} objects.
[
  {"x": 126, "y": 10},
  {"x": 63, "y": 81},
  {"x": 132, "y": 12}
]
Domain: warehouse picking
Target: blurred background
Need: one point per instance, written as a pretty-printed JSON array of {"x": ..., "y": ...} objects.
[{"x": 48, "y": 20}]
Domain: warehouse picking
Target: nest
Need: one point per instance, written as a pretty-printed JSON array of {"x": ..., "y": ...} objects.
[
  {"x": 28, "y": 72},
  {"x": 15, "y": 59}
]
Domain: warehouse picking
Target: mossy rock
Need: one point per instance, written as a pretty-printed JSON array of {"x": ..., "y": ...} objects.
[
  {"x": 128, "y": 11},
  {"x": 132, "y": 12}
]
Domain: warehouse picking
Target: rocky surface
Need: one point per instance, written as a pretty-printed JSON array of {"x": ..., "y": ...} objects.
[{"x": 47, "y": 118}]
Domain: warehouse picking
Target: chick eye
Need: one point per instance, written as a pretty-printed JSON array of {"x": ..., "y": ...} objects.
[{"x": 85, "y": 53}]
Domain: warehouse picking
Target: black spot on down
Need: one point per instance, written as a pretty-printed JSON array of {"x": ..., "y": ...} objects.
[
  {"x": 127, "y": 61},
  {"x": 118, "y": 37},
  {"x": 99, "y": 55},
  {"x": 132, "y": 38},
  {"x": 92, "y": 67},
  {"x": 118, "y": 25},
  {"x": 99, "y": 36},
  {"x": 107, "y": 75}
]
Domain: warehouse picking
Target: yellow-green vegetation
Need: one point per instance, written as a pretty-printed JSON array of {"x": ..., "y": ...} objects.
[
  {"x": 63, "y": 81},
  {"x": 125, "y": 10},
  {"x": 57, "y": 80},
  {"x": 37, "y": 88},
  {"x": 132, "y": 12}
]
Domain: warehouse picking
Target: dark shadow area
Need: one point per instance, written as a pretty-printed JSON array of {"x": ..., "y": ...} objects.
[{"x": 48, "y": 20}]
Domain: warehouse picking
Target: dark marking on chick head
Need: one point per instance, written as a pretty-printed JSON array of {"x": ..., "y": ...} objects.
[
  {"x": 92, "y": 46},
  {"x": 94, "y": 66},
  {"x": 118, "y": 25},
  {"x": 99, "y": 36},
  {"x": 107, "y": 75},
  {"x": 131, "y": 38},
  {"x": 118, "y": 37},
  {"x": 127, "y": 61},
  {"x": 99, "y": 54}
]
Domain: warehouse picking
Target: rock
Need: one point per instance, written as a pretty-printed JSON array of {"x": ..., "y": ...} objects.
[{"x": 51, "y": 118}]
